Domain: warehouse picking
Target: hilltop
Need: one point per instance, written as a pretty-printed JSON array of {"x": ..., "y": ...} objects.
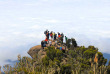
[{"x": 59, "y": 57}]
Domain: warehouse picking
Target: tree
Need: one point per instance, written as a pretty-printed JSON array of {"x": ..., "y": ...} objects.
[{"x": 73, "y": 42}]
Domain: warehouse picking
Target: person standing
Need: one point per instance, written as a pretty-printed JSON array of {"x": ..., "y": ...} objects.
[
  {"x": 46, "y": 40},
  {"x": 45, "y": 32},
  {"x": 51, "y": 35},
  {"x": 55, "y": 36},
  {"x": 59, "y": 36},
  {"x": 66, "y": 39},
  {"x": 62, "y": 36},
  {"x": 42, "y": 44},
  {"x": 47, "y": 35}
]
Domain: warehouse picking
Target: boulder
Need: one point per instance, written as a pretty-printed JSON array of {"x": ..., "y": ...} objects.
[
  {"x": 41, "y": 54},
  {"x": 34, "y": 50}
]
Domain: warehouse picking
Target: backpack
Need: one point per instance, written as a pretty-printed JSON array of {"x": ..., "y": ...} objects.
[{"x": 60, "y": 48}]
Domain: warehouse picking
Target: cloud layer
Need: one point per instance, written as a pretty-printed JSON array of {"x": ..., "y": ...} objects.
[{"x": 22, "y": 24}]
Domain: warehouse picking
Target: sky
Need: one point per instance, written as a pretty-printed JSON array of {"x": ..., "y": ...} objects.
[{"x": 23, "y": 22}]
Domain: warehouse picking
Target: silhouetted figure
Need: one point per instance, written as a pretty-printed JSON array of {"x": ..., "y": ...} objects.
[
  {"x": 42, "y": 44},
  {"x": 66, "y": 39},
  {"x": 61, "y": 38},
  {"x": 47, "y": 35},
  {"x": 51, "y": 35},
  {"x": 45, "y": 32},
  {"x": 55, "y": 36}
]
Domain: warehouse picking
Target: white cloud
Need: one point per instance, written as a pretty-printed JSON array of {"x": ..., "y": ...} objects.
[
  {"x": 35, "y": 27},
  {"x": 52, "y": 21},
  {"x": 87, "y": 21},
  {"x": 16, "y": 33}
]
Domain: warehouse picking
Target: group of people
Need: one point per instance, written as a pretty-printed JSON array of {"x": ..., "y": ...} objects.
[{"x": 57, "y": 38}]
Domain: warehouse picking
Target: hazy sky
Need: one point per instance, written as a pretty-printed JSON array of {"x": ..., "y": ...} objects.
[{"x": 23, "y": 22}]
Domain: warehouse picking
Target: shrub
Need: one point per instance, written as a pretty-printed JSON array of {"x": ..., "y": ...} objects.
[
  {"x": 101, "y": 59},
  {"x": 89, "y": 53},
  {"x": 66, "y": 69},
  {"x": 51, "y": 53},
  {"x": 45, "y": 61},
  {"x": 108, "y": 70},
  {"x": 72, "y": 53},
  {"x": 73, "y": 42}
]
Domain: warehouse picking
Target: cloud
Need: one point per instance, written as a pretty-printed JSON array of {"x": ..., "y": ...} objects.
[
  {"x": 36, "y": 27},
  {"x": 23, "y": 24},
  {"x": 51, "y": 21}
]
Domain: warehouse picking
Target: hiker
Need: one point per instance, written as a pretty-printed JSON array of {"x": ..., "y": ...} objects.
[
  {"x": 62, "y": 36},
  {"x": 51, "y": 35},
  {"x": 66, "y": 39},
  {"x": 45, "y": 32},
  {"x": 60, "y": 48},
  {"x": 47, "y": 35},
  {"x": 55, "y": 36},
  {"x": 61, "y": 39},
  {"x": 42, "y": 44},
  {"x": 59, "y": 36},
  {"x": 46, "y": 40},
  {"x": 50, "y": 43},
  {"x": 63, "y": 50}
]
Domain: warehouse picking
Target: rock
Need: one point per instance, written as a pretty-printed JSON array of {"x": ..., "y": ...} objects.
[
  {"x": 34, "y": 50},
  {"x": 41, "y": 54}
]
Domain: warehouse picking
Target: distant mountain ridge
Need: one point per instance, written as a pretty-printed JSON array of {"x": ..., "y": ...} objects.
[{"x": 107, "y": 56}]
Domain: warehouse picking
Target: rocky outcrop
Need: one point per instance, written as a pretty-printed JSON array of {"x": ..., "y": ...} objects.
[
  {"x": 41, "y": 54},
  {"x": 34, "y": 50},
  {"x": 37, "y": 50}
]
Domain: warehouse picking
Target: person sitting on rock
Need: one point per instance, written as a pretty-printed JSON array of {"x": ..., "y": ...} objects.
[
  {"x": 63, "y": 50},
  {"x": 60, "y": 48}
]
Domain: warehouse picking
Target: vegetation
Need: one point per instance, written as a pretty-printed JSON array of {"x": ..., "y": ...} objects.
[{"x": 76, "y": 60}]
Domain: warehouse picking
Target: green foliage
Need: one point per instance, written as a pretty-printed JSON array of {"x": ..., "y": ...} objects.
[
  {"x": 72, "y": 53},
  {"x": 109, "y": 63},
  {"x": 56, "y": 61},
  {"x": 75, "y": 61},
  {"x": 59, "y": 54},
  {"x": 45, "y": 61},
  {"x": 89, "y": 53},
  {"x": 108, "y": 70},
  {"x": 80, "y": 50},
  {"x": 52, "y": 53},
  {"x": 68, "y": 43},
  {"x": 101, "y": 59},
  {"x": 91, "y": 72},
  {"x": 84, "y": 66},
  {"x": 66, "y": 69},
  {"x": 73, "y": 42}
]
